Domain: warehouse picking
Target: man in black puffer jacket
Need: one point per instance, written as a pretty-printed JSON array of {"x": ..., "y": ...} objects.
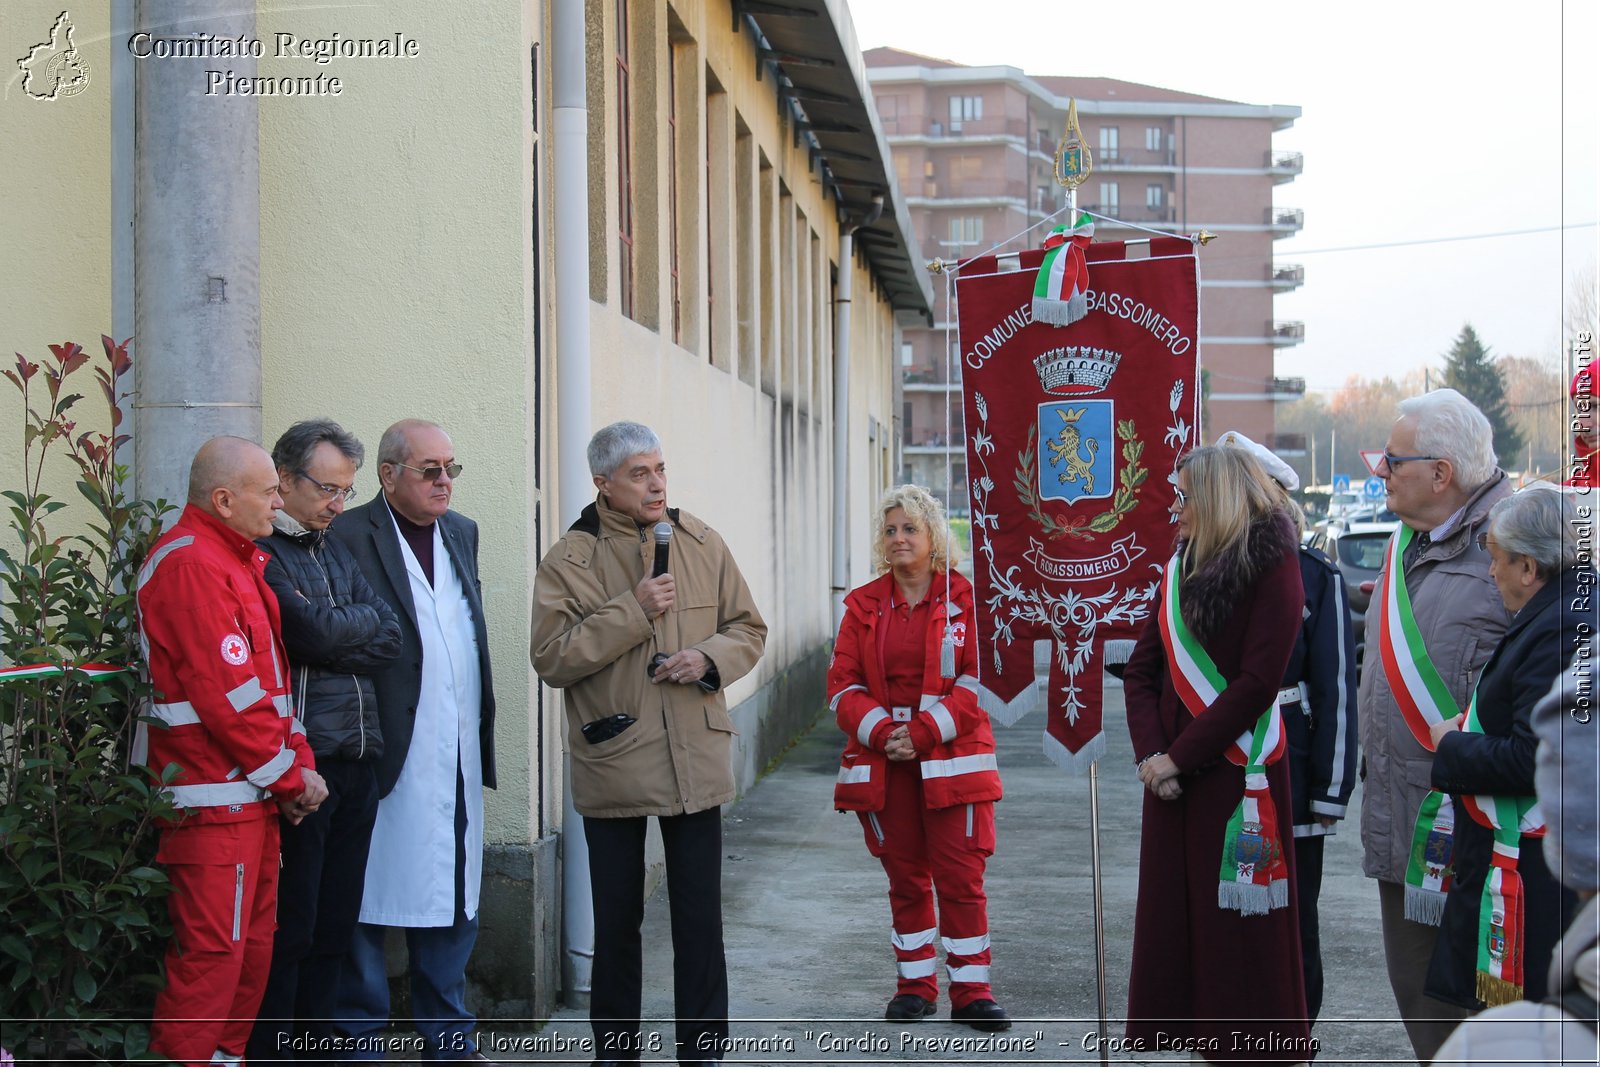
[{"x": 337, "y": 631}]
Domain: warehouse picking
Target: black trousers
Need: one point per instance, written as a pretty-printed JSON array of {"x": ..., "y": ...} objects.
[
  {"x": 1308, "y": 886},
  {"x": 319, "y": 902},
  {"x": 699, "y": 968}
]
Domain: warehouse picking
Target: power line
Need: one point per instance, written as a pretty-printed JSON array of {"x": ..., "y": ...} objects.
[{"x": 1438, "y": 240}]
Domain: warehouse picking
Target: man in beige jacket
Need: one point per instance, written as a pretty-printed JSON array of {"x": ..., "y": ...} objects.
[
  {"x": 644, "y": 661},
  {"x": 1439, "y": 467}
]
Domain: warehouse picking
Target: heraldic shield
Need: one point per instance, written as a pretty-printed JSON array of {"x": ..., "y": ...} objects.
[
  {"x": 1073, "y": 436},
  {"x": 1077, "y": 450}
]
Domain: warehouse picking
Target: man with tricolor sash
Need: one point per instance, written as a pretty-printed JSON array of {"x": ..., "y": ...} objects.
[{"x": 1435, "y": 617}]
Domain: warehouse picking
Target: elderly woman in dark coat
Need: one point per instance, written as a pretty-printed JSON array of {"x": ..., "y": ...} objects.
[
  {"x": 1505, "y": 911},
  {"x": 1216, "y": 946}
]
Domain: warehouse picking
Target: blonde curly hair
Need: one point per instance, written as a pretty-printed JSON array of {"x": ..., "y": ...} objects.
[{"x": 923, "y": 508}]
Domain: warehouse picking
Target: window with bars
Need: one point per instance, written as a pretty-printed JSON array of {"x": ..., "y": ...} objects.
[
  {"x": 624, "y": 164},
  {"x": 672, "y": 192}
]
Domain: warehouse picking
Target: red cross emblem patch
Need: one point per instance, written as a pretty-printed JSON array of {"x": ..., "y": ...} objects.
[{"x": 234, "y": 650}]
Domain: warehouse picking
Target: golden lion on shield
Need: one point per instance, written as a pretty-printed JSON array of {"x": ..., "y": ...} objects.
[{"x": 1065, "y": 448}]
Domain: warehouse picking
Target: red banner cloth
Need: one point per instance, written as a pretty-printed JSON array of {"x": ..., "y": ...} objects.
[{"x": 1073, "y": 435}]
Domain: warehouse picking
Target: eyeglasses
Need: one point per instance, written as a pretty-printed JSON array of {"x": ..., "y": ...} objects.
[
  {"x": 1483, "y": 542},
  {"x": 432, "y": 472},
  {"x": 328, "y": 491},
  {"x": 1181, "y": 497},
  {"x": 1393, "y": 462}
]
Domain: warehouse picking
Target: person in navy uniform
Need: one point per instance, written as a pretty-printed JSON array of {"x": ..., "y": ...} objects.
[{"x": 1318, "y": 706}]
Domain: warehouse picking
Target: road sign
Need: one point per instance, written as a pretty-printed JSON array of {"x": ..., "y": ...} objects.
[
  {"x": 1341, "y": 483},
  {"x": 1372, "y": 457},
  {"x": 1372, "y": 489}
]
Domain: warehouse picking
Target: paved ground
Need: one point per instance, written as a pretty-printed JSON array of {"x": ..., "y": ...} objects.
[{"x": 807, "y": 929}]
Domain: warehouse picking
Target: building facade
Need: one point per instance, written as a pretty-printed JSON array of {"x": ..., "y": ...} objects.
[
  {"x": 521, "y": 220},
  {"x": 974, "y": 153}
]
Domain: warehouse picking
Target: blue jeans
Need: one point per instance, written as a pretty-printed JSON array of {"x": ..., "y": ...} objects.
[{"x": 438, "y": 974}]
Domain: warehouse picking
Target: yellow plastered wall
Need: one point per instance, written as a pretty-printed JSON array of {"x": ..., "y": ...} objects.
[
  {"x": 55, "y": 207},
  {"x": 396, "y": 282}
]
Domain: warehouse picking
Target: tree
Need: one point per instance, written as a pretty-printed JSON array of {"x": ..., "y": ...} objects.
[
  {"x": 1535, "y": 395},
  {"x": 1471, "y": 371}
]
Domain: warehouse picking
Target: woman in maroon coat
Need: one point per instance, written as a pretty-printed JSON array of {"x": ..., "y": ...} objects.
[{"x": 1216, "y": 945}]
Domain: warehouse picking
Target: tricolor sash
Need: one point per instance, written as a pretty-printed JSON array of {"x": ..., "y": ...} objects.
[
  {"x": 1424, "y": 700},
  {"x": 1060, "y": 292},
  {"x": 1501, "y": 944},
  {"x": 1254, "y": 878}
]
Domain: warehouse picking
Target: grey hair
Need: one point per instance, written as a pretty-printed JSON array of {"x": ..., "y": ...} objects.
[
  {"x": 612, "y": 444},
  {"x": 295, "y": 447},
  {"x": 395, "y": 445},
  {"x": 1542, "y": 523},
  {"x": 1451, "y": 427}
]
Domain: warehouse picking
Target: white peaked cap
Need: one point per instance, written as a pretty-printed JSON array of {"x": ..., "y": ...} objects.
[{"x": 1276, "y": 468}]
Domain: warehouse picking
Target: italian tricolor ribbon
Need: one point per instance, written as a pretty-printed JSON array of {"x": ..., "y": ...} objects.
[
  {"x": 1254, "y": 877},
  {"x": 1059, "y": 291},
  {"x": 1501, "y": 946},
  {"x": 1424, "y": 700},
  {"x": 48, "y": 670}
]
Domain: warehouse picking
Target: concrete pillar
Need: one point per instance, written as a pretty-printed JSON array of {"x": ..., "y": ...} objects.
[{"x": 197, "y": 240}]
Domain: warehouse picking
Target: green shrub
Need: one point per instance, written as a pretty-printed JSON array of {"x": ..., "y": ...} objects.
[{"x": 84, "y": 911}]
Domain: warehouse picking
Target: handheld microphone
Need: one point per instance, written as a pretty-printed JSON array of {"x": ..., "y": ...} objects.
[{"x": 663, "y": 533}]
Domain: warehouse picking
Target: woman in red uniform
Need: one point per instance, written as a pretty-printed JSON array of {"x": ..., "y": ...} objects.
[
  {"x": 919, "y": 764},
  {"x": 1216, "y": 943}
]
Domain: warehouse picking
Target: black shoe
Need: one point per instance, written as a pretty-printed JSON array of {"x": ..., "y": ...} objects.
[
  {"x": 909, "y": 1008},
  {"x": 982, "y": 1015}
]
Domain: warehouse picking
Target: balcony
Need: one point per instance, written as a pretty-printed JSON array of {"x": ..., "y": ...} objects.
[
  {"x": 924, "y": 379},
  {"x": 1285, "y": 220},
  {"x": 1123, "y": 161},
  {"x": 1285, "y": 333},
  {"x": 929, "y": 443},
  {"x": 1286, "y": 389},
  {"x": 1286, "y": 276},
  {"x": 1284, "y": 166},
  {"x": 1287, "y": 444},
  {"x": 1139, "y": 213}
]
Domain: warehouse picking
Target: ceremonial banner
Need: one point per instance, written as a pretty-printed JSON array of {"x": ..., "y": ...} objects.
[{"x": 1073, "y": 435}]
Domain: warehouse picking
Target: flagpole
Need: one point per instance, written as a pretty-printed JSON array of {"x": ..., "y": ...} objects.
[
  {"x": 1072, "y": 165},
  {"x": 1099, "y": 907}
]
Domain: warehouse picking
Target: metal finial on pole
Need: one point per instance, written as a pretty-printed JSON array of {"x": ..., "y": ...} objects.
[{"x": 1073, "y": 161}]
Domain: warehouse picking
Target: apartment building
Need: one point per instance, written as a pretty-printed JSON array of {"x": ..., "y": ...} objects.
[{"x": 973, "y": 150}]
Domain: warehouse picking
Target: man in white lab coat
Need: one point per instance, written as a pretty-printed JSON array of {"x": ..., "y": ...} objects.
[{"x": 436, "y": 707}]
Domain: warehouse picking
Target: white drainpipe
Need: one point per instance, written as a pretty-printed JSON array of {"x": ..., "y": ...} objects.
[
  {"x": 570, "y": 155},
  {"x": 841, "y": 409}
]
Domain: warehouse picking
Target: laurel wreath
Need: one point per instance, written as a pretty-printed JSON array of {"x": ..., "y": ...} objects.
[{"x": 1124, "y": 500}]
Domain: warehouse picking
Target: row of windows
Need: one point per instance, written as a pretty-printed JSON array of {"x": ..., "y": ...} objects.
[
  {"x": 754, "y": 319},
  {"x": 1155, "y": 139}
]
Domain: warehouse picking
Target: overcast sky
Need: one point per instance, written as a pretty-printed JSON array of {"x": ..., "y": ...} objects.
[{"x": 1420, "y": 122}]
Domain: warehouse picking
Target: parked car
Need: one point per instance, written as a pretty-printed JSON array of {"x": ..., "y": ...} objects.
[{"x": 1356, "y": 545}]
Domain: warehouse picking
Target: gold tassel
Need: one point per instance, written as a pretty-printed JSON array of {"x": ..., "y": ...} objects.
[{"x": 1493, "y": 991}]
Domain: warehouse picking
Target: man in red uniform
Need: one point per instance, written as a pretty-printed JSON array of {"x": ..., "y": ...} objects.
[{"x": 209, "y": 627}]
